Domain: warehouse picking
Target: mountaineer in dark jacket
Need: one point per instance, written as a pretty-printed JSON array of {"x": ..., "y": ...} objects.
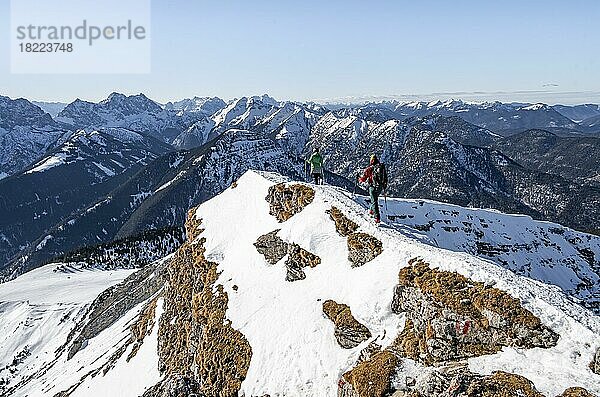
[{"x": 376, "y": 176}]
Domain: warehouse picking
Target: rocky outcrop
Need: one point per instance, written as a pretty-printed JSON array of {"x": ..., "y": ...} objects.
[
  {"x": 343, "y": 225},
  {"x": 192, "y": 225},
  {"x": 199, "y": 350},
  {"x": 299, "y": 258},
  {"x": 595, "y": 364},
  {"x": 348, "y": 332},
  {"x": 498, "y": 384},
  {"x": 371, "y": 378},
  {"x": 271, "y": 247},
  {"x": 450, "y": 317},
  {"x": 457, "y": 380},
  {"x": 363, "y": 248},
  {"x": 449, "y": 382},
  {"x": 174, "y": 386},
  {"x": 576, "y": 392},
  {"x": 287, "y": 200},
  {"x": 369, "y": 351},
  {"x": 275, "y": 249}
]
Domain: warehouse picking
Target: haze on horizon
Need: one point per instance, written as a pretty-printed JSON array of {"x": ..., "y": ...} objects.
[{"x": 533, "y": 51}]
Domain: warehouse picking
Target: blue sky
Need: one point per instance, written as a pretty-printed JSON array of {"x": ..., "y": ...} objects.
[{"x": 529, "y": 50}]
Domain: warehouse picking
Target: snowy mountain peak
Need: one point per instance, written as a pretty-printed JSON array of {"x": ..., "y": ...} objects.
[
  {"x": 206, "y": 105},
  {"x": 252, "y": 287},
  {"x": 266, "y": 99},
  {"x": 129, "y": 104},
  {"x": 536, "y": 106},
  {"x": 114, "y": 96}
]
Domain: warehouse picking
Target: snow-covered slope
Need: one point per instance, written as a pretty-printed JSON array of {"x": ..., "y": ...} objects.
[
  {"x": 37, "y": 312},
  {"x": 297, "y": 332},
  {"x": 243, "y": 113},
  {"x": 292, "y": 127},
  {"x": 196, "y": 135},
  {"x": 250, "y": 330},
  {"x": 543, "y": 251}
]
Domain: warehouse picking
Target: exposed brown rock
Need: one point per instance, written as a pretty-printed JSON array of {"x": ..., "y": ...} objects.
[
  {"x": 595, "y": 364},
  {"x": 271, "y": 247},
  {"x": 348, "y": 331},
  {"x": 502, "y": 384},
  {"x": 178, "y": 334},
  {"x": 287, "y": 200},
  {"x": 450, "y": 317},
  {"x": 343, "y": 225},
  {"x": 223, "y": 355},
  {"x": 576, "y": 392},
  {"x": 199, "y": 350},
  {"x": 192, "y": 225},
  {"x": 299, "y": 258},
  {"x": 408, "y": 343},
  {"x": 363, "y": 248},
  {"x": 449, "y": 380},
  {"x": 275, "y": 249},
  {"x": 370, "y": 378}
]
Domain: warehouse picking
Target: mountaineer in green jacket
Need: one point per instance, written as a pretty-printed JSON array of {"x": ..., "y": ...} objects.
[{"x": 316, "y": 166}]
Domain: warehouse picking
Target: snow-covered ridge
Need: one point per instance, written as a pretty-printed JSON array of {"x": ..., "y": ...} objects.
[
  {"x": 297, "y": 332},
  {"x": 283, "y": 321}
]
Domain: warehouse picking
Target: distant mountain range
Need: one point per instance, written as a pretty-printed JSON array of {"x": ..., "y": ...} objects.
[
  {"x": 99, "y": 171},
  {"x": 435, "y": 157}
]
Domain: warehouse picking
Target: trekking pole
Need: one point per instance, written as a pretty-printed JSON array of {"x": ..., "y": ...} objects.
[
  {"x": 385, "y": 199},
  {"x": 306, "y": 171}
]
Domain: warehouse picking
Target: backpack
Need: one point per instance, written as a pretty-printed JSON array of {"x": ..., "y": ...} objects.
[{"x": 380, "y": 178}]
